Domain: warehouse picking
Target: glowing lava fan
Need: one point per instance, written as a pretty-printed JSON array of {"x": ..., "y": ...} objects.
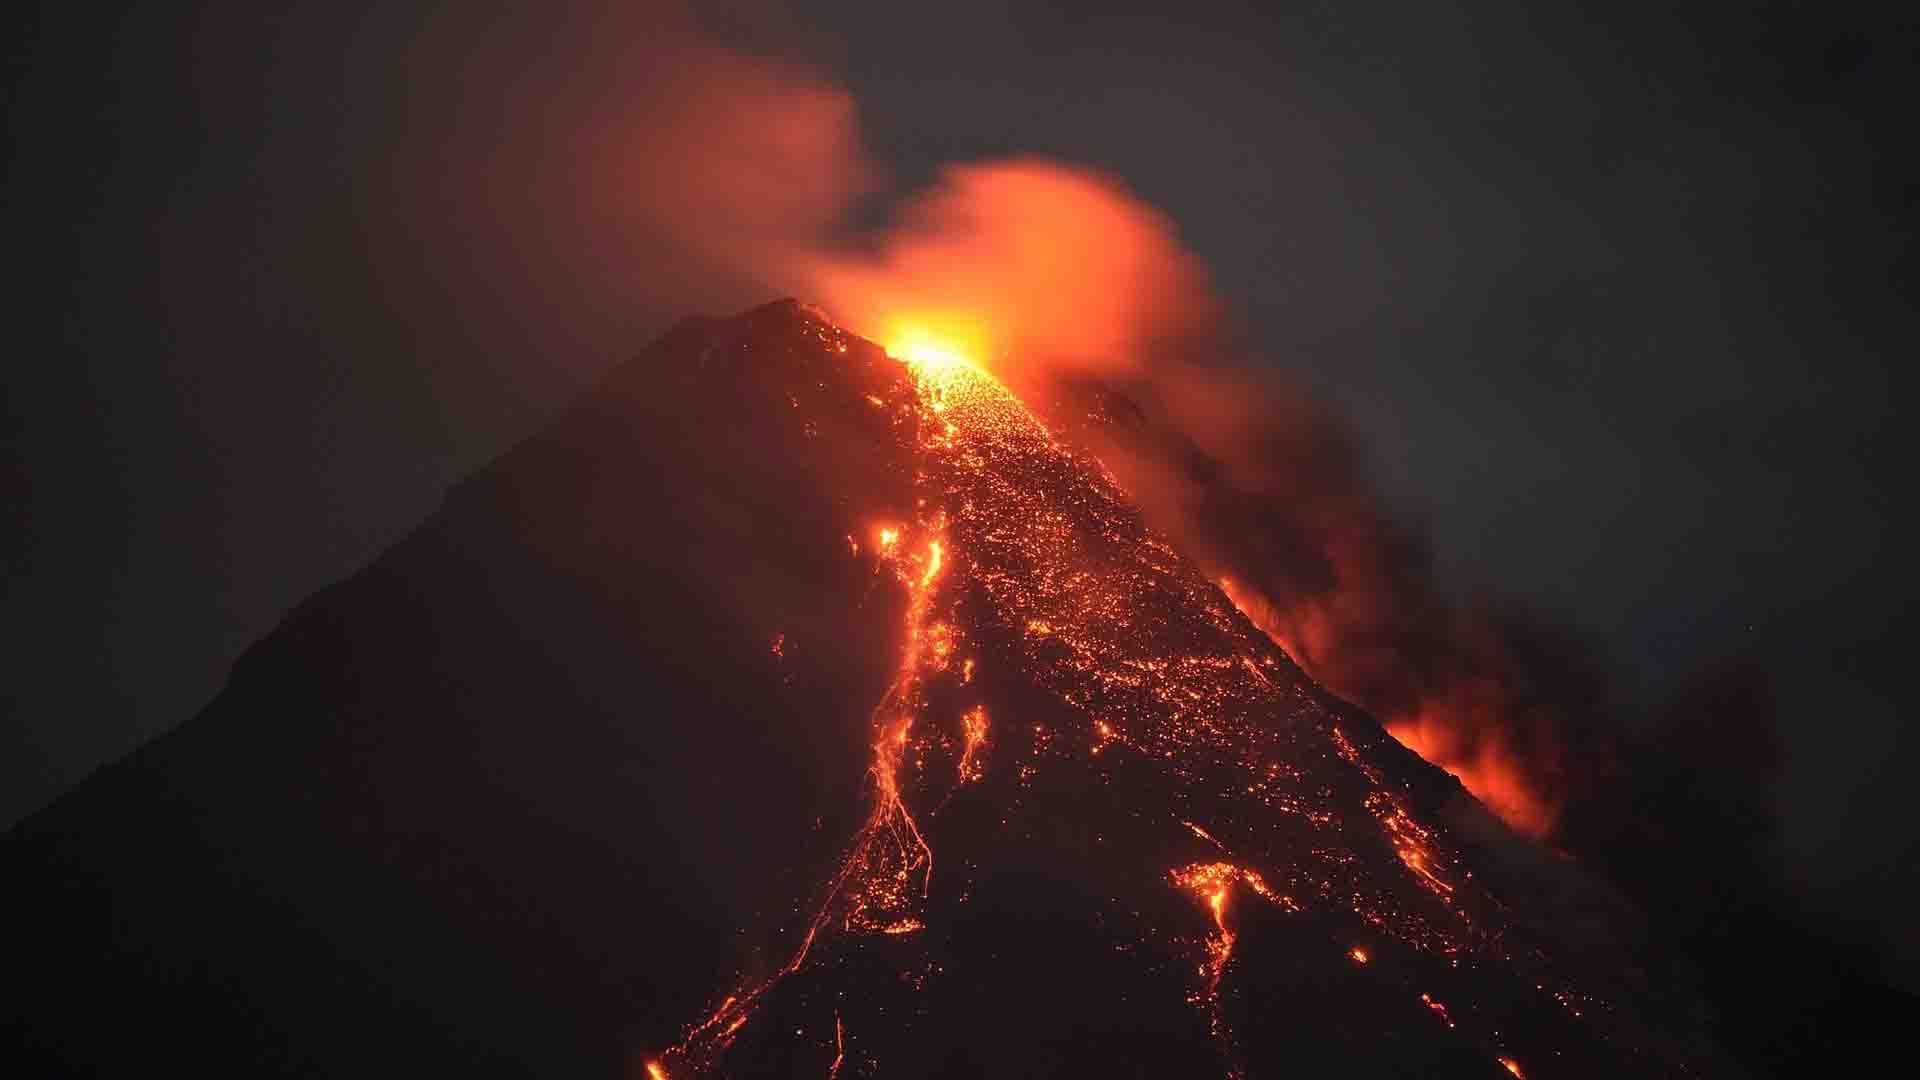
[{"x": 788, "y": 708}]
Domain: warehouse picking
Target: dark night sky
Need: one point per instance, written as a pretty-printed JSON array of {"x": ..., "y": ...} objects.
[{"x": 1620, "y": 303}]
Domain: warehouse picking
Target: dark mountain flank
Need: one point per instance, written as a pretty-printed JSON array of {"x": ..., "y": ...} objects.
[{"x": 785, "y": 709}]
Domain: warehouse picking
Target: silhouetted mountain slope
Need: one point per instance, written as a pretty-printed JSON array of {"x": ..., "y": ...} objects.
[{"x": 781, "y": 709}]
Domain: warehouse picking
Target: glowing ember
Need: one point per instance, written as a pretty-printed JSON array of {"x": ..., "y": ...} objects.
[
  {"x": 839, "y": 1047},
  {"x": 1513, "y": 1067},
  {"x": 973, "y": 727}
]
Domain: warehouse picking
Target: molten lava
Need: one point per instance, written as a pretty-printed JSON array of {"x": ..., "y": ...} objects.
[
  {"x": 1219, "y": 795},
  {"x": 929, "y": 357}
]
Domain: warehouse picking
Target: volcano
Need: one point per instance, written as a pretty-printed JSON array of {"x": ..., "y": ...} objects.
[{"x": 787, "y": 708}]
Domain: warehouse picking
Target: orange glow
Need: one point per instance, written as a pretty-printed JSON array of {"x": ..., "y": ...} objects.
[
  {"x": 1201, "y": 833},
  {"x": 1513, "y": 1067},
  {"x": 1485, "y": 770},
  {"x": 655, "y": 1072},
  {"x": 1271, "y": 622},
  {"x": 1213, "y": 884},
  {"x": 1359, "y": 955},
  {"x": 1482, "y": 763},
  {"x": 1210, "y": 882},
  {"x": 973, "y": 726},
  {"x": 1056, "y": 265},
  {"x": 934, "y": 354},
  {"x": 839, "y": 1047}
]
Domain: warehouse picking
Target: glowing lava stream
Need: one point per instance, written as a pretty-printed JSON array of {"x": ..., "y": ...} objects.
[
  {"x": 1213, "y": 882},
  {"x": 874, "y": 877}
]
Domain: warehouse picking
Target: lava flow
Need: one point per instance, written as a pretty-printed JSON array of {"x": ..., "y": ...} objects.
[{"x": 1152, "y": 754}]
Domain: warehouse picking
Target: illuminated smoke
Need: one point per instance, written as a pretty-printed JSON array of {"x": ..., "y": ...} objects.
[
  {"x": 636, "y": 161},
  {"x": 1065, "y": 285},
  {"x": 1024, "y": 265},
  {"x": 1273, "y": 495}
]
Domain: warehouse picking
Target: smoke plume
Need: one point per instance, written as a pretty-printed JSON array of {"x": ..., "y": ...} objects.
[
  {"x": 1030, "y": 267},
  {"x": 1068, "y": 287},
  {"x": 1272, "y": 493},
  {"x": 637, "y": 159}
]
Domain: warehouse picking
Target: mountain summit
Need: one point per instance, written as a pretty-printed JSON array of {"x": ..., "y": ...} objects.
[{"x": 785, "y": 708}]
